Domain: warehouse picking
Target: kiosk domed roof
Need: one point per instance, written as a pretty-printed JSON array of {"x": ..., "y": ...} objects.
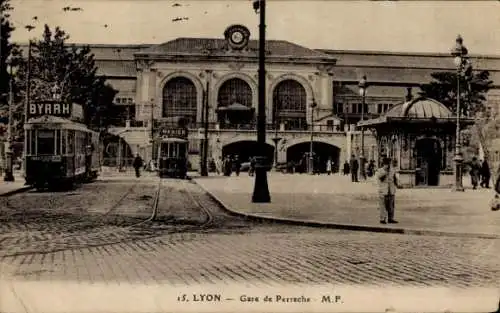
[{"x": 420, "y": 108}]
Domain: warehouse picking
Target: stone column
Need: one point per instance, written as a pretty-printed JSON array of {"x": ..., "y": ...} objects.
[
  {"x": 152, "y": 94},
  {"x": 138, "y": 94},
  {"x": 144, "y": 100}
]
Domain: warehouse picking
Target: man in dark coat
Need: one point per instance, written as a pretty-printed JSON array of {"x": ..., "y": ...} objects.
[
  {"x": 237, "y": 165},
  {"x": 138, "y": 163},
  {"x": 475, "y": 168},
  {"x": 354, "y": 166},
  {"x": 346, "y": 168},
  {"x": 485, "y": 174}
]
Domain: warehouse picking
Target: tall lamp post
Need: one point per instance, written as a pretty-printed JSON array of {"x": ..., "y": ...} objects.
[
  {"x": 204, "y": 146},
  {"x": 9, "y": 175},
  {"x": 311, "y": 141},
  {"x": 459, "y": 52},
  {"x": 363, "y": 85},
  {"x": 261, "y": 188}
]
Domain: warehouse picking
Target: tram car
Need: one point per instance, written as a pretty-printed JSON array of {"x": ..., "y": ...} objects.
[
  {"x": 172, "y": 152},
  {"x": 59, "y": 150}
]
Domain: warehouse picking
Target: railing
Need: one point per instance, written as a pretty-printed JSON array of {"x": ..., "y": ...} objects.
[{"x": 235, "y": 126}]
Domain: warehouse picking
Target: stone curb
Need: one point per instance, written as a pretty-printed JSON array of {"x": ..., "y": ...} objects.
[
  {"x": 16, "y": 191},
  {"x": 354, "y": 227}
]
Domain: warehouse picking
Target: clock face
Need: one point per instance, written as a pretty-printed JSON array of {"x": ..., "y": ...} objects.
[{"x": 237, "y": 37}]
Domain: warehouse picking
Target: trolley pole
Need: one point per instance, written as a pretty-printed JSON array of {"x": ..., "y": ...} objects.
[
  {"x": 9, "y": 176},
  {"x": 27, "y": 103}
]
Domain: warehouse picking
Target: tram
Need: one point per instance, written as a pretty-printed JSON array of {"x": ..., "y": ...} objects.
[
  {"x": 172, "y": 152},
  {"x": 59, "y": 150}
]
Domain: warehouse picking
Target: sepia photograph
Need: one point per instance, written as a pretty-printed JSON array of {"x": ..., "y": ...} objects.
[{"x": 249, "y": 156}]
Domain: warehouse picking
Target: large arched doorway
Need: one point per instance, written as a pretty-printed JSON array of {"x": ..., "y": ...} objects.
[
  {"x": 290, "y": 104},
  {"x": 247, "y": 149},
  {"x": 428, "y": 161},
  {"x": 180, "y": 99},
  {"x": 234, "y": 103},
  {"x": 322, "y": 151}
]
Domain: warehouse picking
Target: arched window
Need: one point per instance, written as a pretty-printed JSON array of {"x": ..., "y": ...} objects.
[
  {"x": 290, "y": 104},
  {"x": 179, "y": 99},
  {"x": 234, "y": 90}
]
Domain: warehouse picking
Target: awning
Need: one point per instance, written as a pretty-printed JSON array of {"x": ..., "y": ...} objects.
[{"x": 235, "y": 107}]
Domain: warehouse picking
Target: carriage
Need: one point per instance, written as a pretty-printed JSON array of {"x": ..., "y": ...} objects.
[
  {"x": 59, "y": 150},
  {"x": 172, "y": 156}
]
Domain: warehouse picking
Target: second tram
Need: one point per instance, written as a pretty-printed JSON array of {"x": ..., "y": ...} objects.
[{"x": 172, "y": 157}]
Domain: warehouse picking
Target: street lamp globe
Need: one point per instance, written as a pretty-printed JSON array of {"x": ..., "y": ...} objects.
[{"x": 362, "y": 86}]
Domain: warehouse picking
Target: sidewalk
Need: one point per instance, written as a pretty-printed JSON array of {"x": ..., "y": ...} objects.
[
  {"x": 335, "y": 201},
  {"x": 7, "y": 188}
]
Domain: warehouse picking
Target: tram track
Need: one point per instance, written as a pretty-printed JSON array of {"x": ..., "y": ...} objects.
[
  {"x": 163, "y": 223},
  {"x": 125, "y": 228}
]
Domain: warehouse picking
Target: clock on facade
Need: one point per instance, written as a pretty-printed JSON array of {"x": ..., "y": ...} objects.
[{"x": 237, "y": 36}]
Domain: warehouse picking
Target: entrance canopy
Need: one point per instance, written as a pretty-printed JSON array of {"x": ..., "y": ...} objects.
[
  {"x": 235, "y": 107},
  {"x": 417, "y": 111}
]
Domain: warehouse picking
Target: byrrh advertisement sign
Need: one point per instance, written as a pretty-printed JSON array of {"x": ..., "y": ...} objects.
[{"x": 55, "y": 108}]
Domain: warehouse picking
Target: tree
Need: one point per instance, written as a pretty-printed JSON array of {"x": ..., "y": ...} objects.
[
  {"x": 72, "y": 70},
  {"x": 6, "y": 46},
  {"x": 473, "y": 90}
]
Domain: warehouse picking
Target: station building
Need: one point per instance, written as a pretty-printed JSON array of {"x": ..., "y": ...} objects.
[{"x": 312, "y": 95}]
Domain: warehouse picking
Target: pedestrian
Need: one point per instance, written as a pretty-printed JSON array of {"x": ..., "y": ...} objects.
[
  {"x": 237, "y": 165},
  {"x": 497, "y": 183},
  {"x": 387, "y": 183},
  {"x": 251, "y": 168},
  {"x": 346, "y": 169},
  {"x": 138, "y": 163},
  {"x": 371, "y": 168},
  {"x": 329, "y": 164},
  {"x": 218, "y": 165},
  {"x": 485, "y": 175},
  {"x": 475, "y": 168},
  {"x": 354, "y": 166}
]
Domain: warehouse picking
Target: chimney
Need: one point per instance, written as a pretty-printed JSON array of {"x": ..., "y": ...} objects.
[{"x": 408, "y": 96}]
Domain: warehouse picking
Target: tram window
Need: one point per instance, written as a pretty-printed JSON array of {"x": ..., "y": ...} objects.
[
  {"x": 71, "y": 141},
  {"x": 182, "y": 150},
  {"x": 45, "y": 142},
  {"x": 32, "y": 141},
  {"x": 63, "y": 142},
  {"x": 58, "y": 141}
]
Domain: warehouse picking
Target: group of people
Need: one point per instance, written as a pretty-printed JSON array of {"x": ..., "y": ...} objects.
[
  {"x": 227, "y": 165},
  {"x": 479, "y": 173},
  {"x": 353, "y": 167}
]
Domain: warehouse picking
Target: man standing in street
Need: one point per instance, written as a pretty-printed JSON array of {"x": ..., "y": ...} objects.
[
  {"x": 387, "y": 184},
  {"x": 354, "y": 167},
  {"x": 137, "y": 165}
]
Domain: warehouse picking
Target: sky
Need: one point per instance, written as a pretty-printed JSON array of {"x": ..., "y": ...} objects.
[{"x": 401, "y": 26}]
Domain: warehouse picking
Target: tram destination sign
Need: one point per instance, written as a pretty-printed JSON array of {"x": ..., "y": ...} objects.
[{"x": 177, "y": 132}]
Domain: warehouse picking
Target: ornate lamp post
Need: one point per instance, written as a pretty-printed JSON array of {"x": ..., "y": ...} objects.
[
  {"x": 363, "y": 85},
  {"x": 459, "y": 52},
  {"x": 261, "y": 188},
  {"x": 276, "y": 139},
  {"x": 310, "y": 169},
  {"x": 9, "y": 175}
]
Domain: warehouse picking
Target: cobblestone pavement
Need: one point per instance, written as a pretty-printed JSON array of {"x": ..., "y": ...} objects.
[{"x": 228, "y": 250}]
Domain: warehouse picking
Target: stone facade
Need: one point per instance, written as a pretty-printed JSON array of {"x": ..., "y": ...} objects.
[{"x": 328, "y": 77}]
